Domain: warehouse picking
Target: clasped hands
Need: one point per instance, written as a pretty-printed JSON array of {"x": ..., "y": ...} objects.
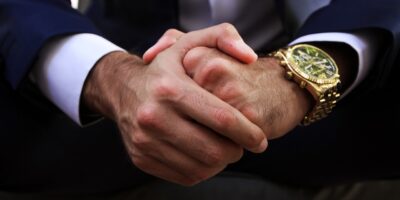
[{"x": 194, "y": 102}]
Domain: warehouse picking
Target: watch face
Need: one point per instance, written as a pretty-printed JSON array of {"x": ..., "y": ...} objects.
[{"x": 312, "y": 63}]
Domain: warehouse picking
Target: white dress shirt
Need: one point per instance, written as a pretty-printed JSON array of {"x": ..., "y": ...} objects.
[{"x": 65, "y": 63}]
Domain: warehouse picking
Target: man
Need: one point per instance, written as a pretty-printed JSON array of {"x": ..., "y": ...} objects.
[{"x": 50, "y": 153}]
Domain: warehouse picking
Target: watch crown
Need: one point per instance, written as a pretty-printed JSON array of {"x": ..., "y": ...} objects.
[
  {"x": 282, "y": 62},
  {"x": 303, "y": 84}
]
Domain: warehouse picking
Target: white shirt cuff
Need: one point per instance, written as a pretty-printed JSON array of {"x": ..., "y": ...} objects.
[
  {"x": 63, "y": 66},
  {"x": 361, "y": 43}
]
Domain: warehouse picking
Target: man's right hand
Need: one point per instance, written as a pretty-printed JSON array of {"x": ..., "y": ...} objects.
[{"x": 171, "y": 127}]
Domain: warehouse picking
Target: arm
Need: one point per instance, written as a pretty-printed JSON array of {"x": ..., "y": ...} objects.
[
  {"x": 153, "y": 110},
  {"x": 362, "y": 15},
  {"x": 274, "y": 103},
  {"x": 143, "y": 101},
  {"x": 344, "y": 54},
  {"x": 259, "y": 90},
  {"x": 23, "y": 35},
  {"x": 60, "y": 71},
  {"x": 169, "y": 124}
]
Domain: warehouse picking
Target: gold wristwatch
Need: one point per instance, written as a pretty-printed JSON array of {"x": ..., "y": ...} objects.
[{"x": 314, "y": 70}]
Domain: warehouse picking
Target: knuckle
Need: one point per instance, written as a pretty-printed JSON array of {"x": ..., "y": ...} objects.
[
  {"x": 216, "y": 66},
  {"x": 192, "y": 59},
  {"x": 172, "y": 34},
  {"x": 166, "y": 89},
  {"x": 212, "y": 71},
  {"x": 228, "y": 28},
  {"x": 224, "y": 118},
  {"x": 171, "y": 31},
  {"x": 214, "y": 157},
  {"x": 228, "y": 33},
  {"x": 230, "y": 90},
  {"x": 140, "y": 141},
  {"x": 147, "y": 115},
  {"x": 140, "y": 163},
  {"x": 251, "y": 113}
]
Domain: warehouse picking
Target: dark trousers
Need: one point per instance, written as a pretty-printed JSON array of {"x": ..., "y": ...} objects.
[{"x": 234, "y": 187}]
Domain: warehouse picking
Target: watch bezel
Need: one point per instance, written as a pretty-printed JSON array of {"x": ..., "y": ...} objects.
[{"x": 295, "y": 68}]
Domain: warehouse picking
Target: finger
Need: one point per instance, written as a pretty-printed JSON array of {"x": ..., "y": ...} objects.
[
  {"x": 219, "y": 116},
  {"x": 156, "y": 168},
  {"x": 216, "y": 72},
  {"x": 208, "y": 67},
  {"x": 190, "y": 168},
  {"x": 192, "y": 139},
  {"x": 224, "y": 37},
  {"x": 149, "y": 164},
  {"x": 194, "y": 60},
  {"x": 204, "y": 107},
  {"x": 169, "y": 38}
]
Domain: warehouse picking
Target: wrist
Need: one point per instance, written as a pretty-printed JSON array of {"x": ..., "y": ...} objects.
[
  {"x": 300, "y": 100},
  {"x": 316, "y": 71},
  {"x": 295, "y": 101},
  {"x": 102, "y": 89}
]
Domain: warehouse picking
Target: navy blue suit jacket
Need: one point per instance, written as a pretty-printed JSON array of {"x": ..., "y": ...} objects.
[{"x": 42, "y": 150}]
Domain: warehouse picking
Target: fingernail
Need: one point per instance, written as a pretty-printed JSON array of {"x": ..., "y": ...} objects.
[
  {"x": 149, "y": 50},
  {"x": 146, "y": 55}
]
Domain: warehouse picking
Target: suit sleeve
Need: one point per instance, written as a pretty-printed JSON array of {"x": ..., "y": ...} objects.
[
  {"x": 26, "y": 25},
  {"x": 347, "y": 16}
]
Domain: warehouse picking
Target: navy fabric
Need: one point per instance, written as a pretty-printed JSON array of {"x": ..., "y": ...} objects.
[
  {"x": 42, "y": 150},
  {"x": 355, "y": 15},
  {"x": 25, "y": 25}
]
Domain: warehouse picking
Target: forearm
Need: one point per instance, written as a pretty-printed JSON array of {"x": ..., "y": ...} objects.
[
  {"x": 114, "y": 71},
  {"x": 23, "y": 37},
  {"x": 295, "y": 101},
  {"x": 61, "y": 71}
]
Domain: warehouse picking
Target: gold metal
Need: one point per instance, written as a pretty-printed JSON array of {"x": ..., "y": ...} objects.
[
  {"x": 314, "y": 70},
  {"x": 289, "y": 75},
  {"x": 303, "y": 84}
]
